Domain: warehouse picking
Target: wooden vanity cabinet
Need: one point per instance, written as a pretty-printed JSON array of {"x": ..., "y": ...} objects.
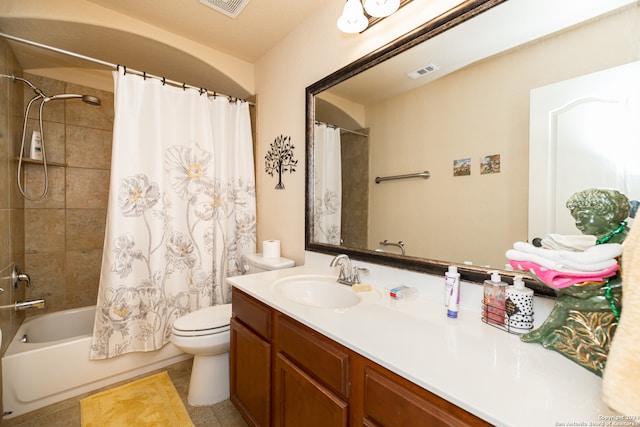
[{"x": 284, "y": 373}]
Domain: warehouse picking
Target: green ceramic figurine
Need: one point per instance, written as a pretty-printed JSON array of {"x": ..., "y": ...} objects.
[
  {"x": 601, "y": 213},
  {"x": 584, "y": 317}
]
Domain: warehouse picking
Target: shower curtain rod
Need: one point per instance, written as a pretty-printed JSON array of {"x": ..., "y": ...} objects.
[
  {"x": 343, "y": 129},
  {"x": 115, "y": 66}
]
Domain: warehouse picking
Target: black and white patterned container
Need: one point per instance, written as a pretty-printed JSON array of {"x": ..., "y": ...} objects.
[{"x": 519, "y": 307}]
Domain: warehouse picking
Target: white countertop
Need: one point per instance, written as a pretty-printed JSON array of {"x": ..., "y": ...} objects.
[{"x": 480, "y": 368}]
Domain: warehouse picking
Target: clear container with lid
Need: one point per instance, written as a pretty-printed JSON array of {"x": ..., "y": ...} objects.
[{"x": 493, "y": 303}]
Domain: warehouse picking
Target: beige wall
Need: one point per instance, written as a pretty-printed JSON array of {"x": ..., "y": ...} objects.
[
  {"x": 315, "y": 49},
  {"x": 481, "y": 110},
  {"x": 463, "y": 115}
]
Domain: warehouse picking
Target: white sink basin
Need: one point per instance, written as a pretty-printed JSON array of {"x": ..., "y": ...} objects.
[{"x": 316, "y": 291}]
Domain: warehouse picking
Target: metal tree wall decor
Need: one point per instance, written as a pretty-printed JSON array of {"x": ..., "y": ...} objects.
[{"x": 280, "y": 158}]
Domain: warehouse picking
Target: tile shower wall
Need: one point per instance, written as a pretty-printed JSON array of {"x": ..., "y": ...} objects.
[
  {"x": 64, "y": 232},
  {"x": 11, "y": 203},
  {"x": 354, "y": 151}
]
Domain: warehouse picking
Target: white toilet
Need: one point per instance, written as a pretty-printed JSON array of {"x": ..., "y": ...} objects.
[{"x": 205, "y": 334}]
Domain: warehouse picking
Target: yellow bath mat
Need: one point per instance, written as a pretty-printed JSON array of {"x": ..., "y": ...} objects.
[{"x": 151, "y": 401}]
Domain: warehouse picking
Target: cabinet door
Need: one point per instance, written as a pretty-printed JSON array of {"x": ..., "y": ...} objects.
[
  {"x": 302, "y": 401},
  {"x": 249, "y": 370}
]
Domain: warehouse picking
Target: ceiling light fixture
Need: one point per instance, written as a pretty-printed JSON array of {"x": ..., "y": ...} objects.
[
  {"x": 355, "y": 19},
  {"x": 352, "y": 19},
  {"x": 381, "y": 8}
]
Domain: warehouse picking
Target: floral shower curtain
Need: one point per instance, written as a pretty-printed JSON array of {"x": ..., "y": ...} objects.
[
  {"x": 327, "y": 184},
  {"x": 181, "y": 211}
]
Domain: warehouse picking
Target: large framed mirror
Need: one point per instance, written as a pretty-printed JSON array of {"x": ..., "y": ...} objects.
[{"x": 463, "y": 117}]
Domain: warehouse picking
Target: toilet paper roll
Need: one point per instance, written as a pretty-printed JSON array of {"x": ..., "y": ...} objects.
[{"x": 271, "y": 249}]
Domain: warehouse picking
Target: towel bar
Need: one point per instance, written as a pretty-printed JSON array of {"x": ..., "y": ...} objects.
[{"x": 424, "y": 175}]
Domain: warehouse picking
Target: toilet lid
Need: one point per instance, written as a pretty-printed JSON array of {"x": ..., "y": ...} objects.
[
  {"x": 269, "y": 263},
  {"x": 205, "y": 321}
]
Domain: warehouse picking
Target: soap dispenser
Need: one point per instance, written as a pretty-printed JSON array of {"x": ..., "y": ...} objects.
[
  {"x": 493, "y": 304},
  {"x": 518, "y": 307}
]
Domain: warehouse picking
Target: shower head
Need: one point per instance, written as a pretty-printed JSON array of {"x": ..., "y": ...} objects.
[{"x": 89, "y": 99}]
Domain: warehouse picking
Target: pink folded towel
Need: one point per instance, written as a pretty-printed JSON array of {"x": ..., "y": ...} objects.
[{"x": 562, "y": 279}]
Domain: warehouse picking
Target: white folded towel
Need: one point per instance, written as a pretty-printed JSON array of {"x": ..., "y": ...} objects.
[
  {"x": 579, "y": 242},
  {"x": 593, "y": 255},
  {"x": 564, "y": 266}
]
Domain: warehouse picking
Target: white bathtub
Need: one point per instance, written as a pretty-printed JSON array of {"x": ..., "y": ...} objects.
[{"x": 54, "y": 365}]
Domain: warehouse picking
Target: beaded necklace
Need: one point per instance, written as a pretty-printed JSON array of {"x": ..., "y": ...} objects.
[{"x": 608, "y": 237}]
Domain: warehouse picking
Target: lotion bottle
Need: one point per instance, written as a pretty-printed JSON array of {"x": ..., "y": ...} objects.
[
  {"x": 493, "y": 304},
  {"x": 452, "y": 291},
  {"x": 35, "y": 149},
  {"x": 519, "y": 307}
]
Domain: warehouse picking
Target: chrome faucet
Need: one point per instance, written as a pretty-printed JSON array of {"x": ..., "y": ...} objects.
[
  {"x": 18, "y": 276},
  {"x": 348, "y": 275},
  {"x": 23, "y": 305}
]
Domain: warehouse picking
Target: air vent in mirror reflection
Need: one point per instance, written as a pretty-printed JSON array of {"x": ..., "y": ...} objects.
[{"x": 428, "y": 69}]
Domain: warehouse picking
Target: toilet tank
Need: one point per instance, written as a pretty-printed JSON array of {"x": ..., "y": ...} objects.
[{"x": 257, "y": 263}]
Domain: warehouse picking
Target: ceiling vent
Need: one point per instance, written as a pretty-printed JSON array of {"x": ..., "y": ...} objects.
[
  {"x": 231, "y": 8},
  {"x": 423, "y": 71}
]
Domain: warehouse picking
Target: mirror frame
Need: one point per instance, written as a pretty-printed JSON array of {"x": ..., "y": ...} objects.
[{"x": 458, "y": 15}]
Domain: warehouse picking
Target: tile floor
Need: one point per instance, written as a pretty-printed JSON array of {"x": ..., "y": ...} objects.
[{"x": 67, "y": 412}]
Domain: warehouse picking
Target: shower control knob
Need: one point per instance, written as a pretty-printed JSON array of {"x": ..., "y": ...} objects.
[
  {"x": 17, "y": 276},
  {"x": 23, "y": 277}
]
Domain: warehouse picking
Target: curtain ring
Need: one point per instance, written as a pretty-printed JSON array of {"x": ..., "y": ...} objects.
[
  {"x": 163, "y": 81},
  {"x": 144, "y": 75},
  {"x": 125, "y": 69},
  {"x": 184, "y": 86},
  {"x": 214, "y": 94}
]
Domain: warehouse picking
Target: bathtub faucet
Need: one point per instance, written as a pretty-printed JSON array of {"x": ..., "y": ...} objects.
[{"x": 23, "y": 305}]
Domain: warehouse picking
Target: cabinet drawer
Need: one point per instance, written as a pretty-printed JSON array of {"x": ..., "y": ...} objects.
[
  {"x": 320, "y": 357},
  {"x": 252, "y": 313},
  {"x": 391, "y": 402}
]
